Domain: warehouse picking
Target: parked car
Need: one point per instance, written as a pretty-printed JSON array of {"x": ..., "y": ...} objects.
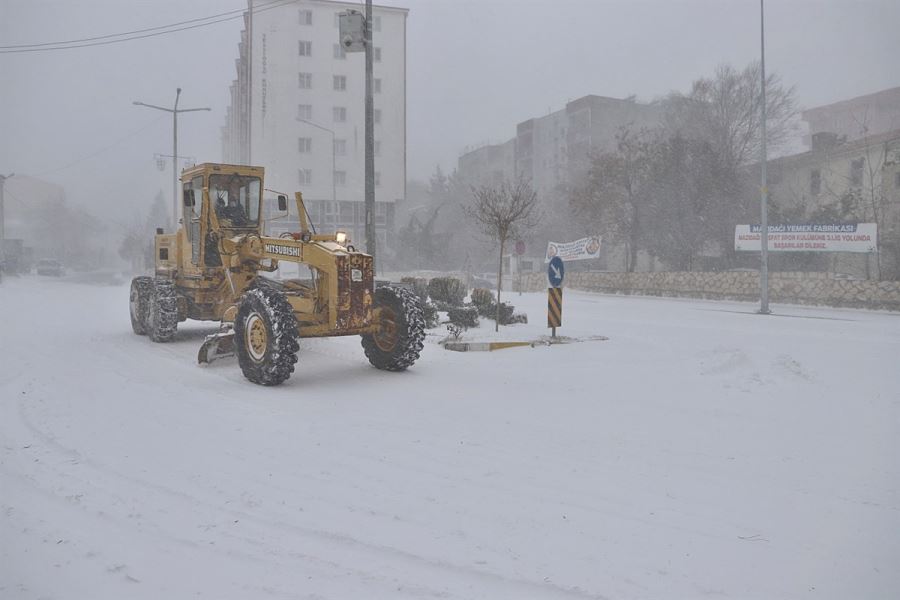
[{"x": 49, "y": 266}]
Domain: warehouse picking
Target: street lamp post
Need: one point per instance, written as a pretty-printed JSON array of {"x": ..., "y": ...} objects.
[
  {"x": 333, "y": 191},
  {"x": 3, "y": 179},
  {"x": 175, "y": 110},
  {"x": 764, "y": 191}
]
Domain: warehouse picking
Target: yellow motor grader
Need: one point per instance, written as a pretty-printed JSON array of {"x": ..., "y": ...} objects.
[{"x": 211, "y": 270}]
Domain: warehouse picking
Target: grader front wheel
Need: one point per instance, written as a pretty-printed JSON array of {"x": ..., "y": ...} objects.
[
  {"x": 401, "y": 330},
  {"x": 162, "y": 310},
  {"x": 265, "y": 336}
]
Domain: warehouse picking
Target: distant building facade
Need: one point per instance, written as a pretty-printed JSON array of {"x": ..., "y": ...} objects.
[
  {"x": 298, "y": 109},
  {"x": 553, "y": 152},
  {"x": 855, "y": 118},
  {"x": 489, "y": 164},
  {"x": 554, "y": 149},
  {"x": 856, "y": 180}
]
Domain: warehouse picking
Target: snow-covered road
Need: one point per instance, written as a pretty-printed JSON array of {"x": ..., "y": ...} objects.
[{"x": 701, "y": 451}]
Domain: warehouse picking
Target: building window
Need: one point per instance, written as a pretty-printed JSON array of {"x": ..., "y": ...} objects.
[
  {"x": 376, "y": 23},
  {"x": 331, "y": 212},
  {"x": 305, "y": 176},
  {"x": 376, "y": 84},
  {"x": 897, "y": 180},
  {"x": 347, "y": 213},
  {"x": 377, "y": 56},
  {"x": 380, "y": 213},
  {"x": 815, "y": 182},
  {"x": 340, "y": 147},
  {"x": 340, "y": 83},
  {"x": 339, "y": 52},
  {"x": 305, "y": 144},
  {"x": 305, "y": 48},
  {"x": 305, "y": 81},
  {"x": 856, "y": 171},
  {"x": 377, "y": 178},
  {"x": 377, "y": 148},
  {"x": 305, "y": 17},
  {"x": 304, "y": 111},
  {"x": 376, "y": 115},
  {"x": 340, "y": 178},
  {"x": 340, "y": 114}
]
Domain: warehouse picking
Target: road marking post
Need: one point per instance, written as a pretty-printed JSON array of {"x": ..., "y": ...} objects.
[{"x": 554, "y": 308}]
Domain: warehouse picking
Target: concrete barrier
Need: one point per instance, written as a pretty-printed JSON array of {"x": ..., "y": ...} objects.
[{"x": 824, "y": 289}]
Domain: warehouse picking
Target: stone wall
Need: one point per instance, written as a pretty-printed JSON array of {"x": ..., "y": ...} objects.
[{"x": 787, "y": 287}]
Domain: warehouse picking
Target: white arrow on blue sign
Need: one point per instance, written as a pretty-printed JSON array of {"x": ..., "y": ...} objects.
[{"x": 555, "y": 271}]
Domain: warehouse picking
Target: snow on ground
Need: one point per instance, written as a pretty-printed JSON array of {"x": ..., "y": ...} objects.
[{"x": 701, "y": 451}]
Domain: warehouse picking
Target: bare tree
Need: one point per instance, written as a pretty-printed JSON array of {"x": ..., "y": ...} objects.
[
  {"x": 725, "y": 111},
  {"x": 876, "y": 157},
  {"x": 613, "y": 197},
  {"x": 502, "y": 213}
]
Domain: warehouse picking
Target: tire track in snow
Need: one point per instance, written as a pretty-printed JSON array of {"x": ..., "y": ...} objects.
[{"x": 337, "y": 547}]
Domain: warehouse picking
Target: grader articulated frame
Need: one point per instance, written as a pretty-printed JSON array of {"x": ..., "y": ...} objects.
[{"x": 210, "y": 269}]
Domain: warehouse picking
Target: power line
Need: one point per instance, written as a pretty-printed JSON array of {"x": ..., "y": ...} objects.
[
  {"x": 132, "y": 35},
  {"x": 105, "y": 148},
  {"x": 112, "y": 35}
]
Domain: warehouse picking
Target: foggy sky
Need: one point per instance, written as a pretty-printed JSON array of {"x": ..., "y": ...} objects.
[{"x": 475, "y": 69}]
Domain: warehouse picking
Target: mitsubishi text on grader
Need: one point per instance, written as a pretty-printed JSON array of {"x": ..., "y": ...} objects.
[{"x": 210, "y": 270}]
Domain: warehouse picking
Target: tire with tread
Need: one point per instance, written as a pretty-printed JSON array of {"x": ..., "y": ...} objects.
[
  {"x": 138, "y": 303},
  {"x": 401, "y": 337},
  {"x": 162, "y": 310},
  {"x": 265, "y": 335}
]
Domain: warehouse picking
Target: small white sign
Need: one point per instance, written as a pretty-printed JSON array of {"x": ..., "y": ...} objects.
[
  {"x": 853, "y": 237},
  {"x": 582, "y": 249}
]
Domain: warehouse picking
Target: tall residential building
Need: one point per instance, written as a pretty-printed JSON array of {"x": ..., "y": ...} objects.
[{"x": 298, "y": 109}]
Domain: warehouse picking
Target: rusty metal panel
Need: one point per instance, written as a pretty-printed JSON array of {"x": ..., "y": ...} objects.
[{"x": 355, "y": 277}]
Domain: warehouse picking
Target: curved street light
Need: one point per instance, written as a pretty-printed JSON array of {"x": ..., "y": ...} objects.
[{"x": 174, "y": 110}]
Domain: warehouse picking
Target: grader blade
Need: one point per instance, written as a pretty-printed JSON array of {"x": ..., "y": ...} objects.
[{"x": 216, "y": 346}]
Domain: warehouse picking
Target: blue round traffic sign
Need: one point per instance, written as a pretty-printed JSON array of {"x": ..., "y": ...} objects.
[{"x": 555, "y": 271}]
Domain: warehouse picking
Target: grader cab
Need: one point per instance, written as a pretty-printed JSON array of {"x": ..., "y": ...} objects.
[{"x": 212, "y": 269}]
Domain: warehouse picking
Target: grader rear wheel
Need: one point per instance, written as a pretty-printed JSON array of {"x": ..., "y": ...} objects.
[
  {"x": 401, "y": 332},
  {"x": 265, "y": 336},
  {"x": 138, "y": 303}
]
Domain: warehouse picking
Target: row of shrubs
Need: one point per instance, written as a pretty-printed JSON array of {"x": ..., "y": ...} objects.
[{"x": 448, "y": 294}]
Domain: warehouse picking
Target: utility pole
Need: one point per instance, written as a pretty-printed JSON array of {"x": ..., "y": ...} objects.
[
  {"x": 174, "y": 112},
  {"x": 356, "y": 36},
  {"x": 370, "y": 140},
  {"x": 764, "y": 191}
]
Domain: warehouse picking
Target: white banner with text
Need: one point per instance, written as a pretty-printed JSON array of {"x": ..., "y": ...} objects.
[
  {"x": 582, "y": 249},
  {"x": 854, "y": 237}
]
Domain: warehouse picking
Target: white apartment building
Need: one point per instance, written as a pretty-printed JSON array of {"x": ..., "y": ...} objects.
[{"x": 298, "y": 109}]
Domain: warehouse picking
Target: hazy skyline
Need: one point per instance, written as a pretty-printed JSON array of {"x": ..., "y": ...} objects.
[{"x": 475, "y": 69}]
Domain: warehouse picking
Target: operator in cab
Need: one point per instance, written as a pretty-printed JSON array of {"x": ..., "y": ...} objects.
[{"x": 228, "y": 206}]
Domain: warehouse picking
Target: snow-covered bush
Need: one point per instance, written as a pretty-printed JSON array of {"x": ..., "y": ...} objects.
[
  {"x": 449, "y": 290},
  {"x": 419, "y": 287},
  {"x": 430, "y": 313},
  {"x": 463, "y": 316},
  {"x": 482, "y": 297}
]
